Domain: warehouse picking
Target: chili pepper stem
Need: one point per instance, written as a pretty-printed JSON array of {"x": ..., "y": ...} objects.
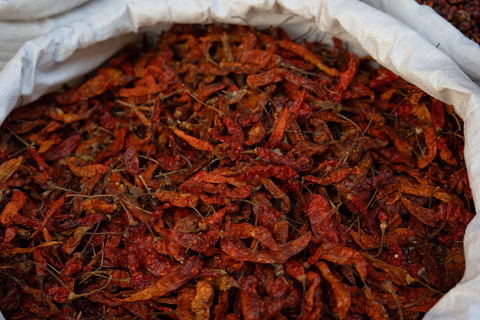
[
  {"x": 383, "y": 227},
  {"x": 388, "y": 287},
  {"x": 54, "y": 275},
  {"x": 72, "y": 295},
  {"x": 220, "y": 233},
  {"x": 131, "y": 222}
]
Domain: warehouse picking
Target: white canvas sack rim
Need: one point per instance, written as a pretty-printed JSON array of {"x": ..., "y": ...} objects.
[{"x": 27, "y": 10}]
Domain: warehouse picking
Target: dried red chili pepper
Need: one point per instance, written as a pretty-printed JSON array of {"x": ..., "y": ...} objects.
[
  {"x": 342, "y": 296},
  {"x": 177, "y": 199},
  {"x": 184, "y": 304},
  {"x": 11, "y": 209},
  {"x": 56, "y": 206},
  {"x": 203, "y": 300},
  {"x": 307, "y": 56},
  {"x": 313, "y": 302},
  {"x": 194, "y": 142},
  {"x": 319, "y": 214},
  {"x": 170, "y": 282},
  {"x": 239, "y": 251},
  {"x": 62, "y": 149},
  {"x": 8, "y": 168},
  {"x": 277, "y": 133}
]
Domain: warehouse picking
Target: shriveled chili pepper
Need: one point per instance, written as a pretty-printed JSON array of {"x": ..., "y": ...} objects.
[
  {"x": 11, "y": 209},
  {"x": 194, "y": 142},
  {"x": 170, "y": 282}
]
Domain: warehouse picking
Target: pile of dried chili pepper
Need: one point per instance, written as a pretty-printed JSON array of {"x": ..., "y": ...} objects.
[
  {"x": 462, "y": 14},
  {"x": 231, "y": 173}
]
